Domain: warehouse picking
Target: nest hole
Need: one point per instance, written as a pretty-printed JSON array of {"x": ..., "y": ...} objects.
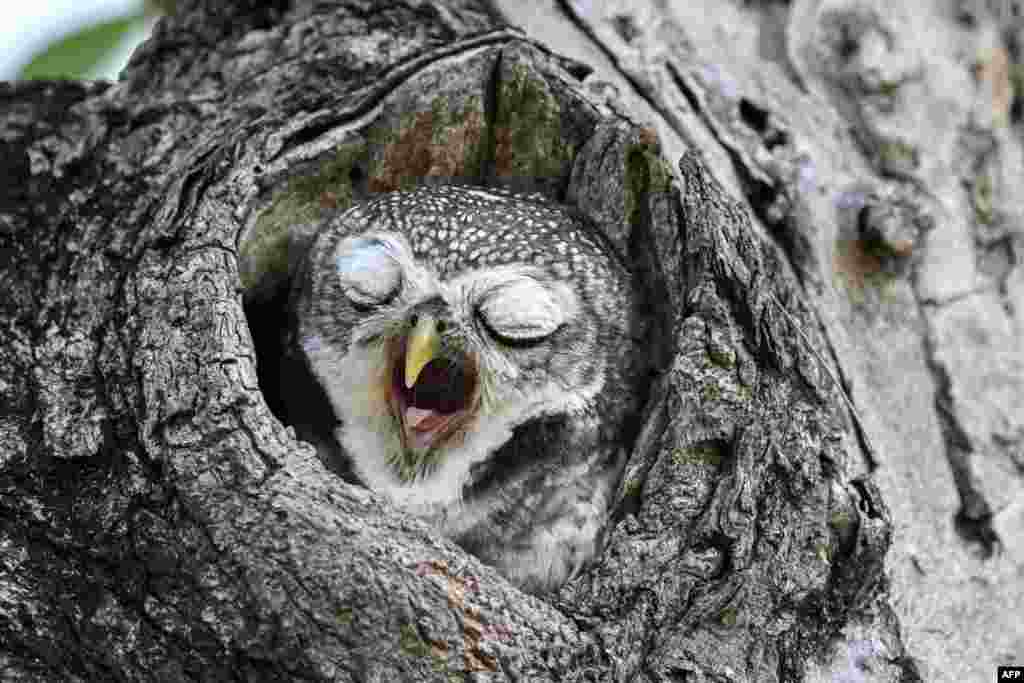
[{"x": 291, "y": 392}]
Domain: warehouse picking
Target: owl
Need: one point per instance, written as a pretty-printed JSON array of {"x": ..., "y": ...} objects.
[{"x": 476, "y": 349}]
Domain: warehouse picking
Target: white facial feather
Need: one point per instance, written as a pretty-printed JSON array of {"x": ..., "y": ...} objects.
[{"x": 514, "y": 301}]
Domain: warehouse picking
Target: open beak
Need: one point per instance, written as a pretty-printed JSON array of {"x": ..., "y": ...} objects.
[
  {"x": 433, "y": 390},
  {"x": 423, "y": 346}
]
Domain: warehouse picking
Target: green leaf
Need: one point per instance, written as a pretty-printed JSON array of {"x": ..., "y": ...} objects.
[{"x": 75, "y": 55}]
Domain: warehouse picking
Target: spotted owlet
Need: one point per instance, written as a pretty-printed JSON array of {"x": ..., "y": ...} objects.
[{"x": 475, "y": 346}]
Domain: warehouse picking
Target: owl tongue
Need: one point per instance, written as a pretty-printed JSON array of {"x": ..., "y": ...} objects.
[
  {"x": 423, "y": 425},
  {"x": 437, "y": 399},
  {"x": 423, "y": 420}
]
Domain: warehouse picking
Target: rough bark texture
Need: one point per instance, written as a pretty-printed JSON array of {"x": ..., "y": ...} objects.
[{"x": 818, "y": 197}]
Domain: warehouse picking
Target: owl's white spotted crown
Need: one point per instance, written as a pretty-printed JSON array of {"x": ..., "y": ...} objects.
[{"x": 457, "y": 228}]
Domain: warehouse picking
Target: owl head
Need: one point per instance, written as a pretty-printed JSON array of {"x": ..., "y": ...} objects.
[{"x": 442, "y": 323}]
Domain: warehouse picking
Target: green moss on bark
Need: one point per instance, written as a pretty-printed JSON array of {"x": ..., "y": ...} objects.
[
  {"x": 265, "y": 251},
  {"x": 528, "y": 135}
]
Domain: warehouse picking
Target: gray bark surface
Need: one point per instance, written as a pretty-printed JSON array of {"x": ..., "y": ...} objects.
[{"x": 819, "y": 198}]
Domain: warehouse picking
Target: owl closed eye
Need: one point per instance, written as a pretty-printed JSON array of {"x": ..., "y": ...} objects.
[
  {"x": 520, "y": 311},
  {"x": 368, "y": 271}
]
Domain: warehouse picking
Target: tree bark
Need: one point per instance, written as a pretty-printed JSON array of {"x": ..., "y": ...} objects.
[{"x": 818, "y": 199}]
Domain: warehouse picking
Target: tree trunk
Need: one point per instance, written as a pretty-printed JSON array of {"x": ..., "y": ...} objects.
[{"x": 817, "y": 198}]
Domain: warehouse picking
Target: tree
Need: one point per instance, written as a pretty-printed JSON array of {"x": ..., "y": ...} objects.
[{"x": 850, "y": 350}]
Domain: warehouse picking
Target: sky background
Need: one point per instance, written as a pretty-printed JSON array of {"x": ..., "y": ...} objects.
[{"x": 28, "y": 27}]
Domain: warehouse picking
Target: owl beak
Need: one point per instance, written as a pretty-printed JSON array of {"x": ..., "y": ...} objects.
[
  {"x": 433, "y": 388},
  {"x": 424, "y": 345}
]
